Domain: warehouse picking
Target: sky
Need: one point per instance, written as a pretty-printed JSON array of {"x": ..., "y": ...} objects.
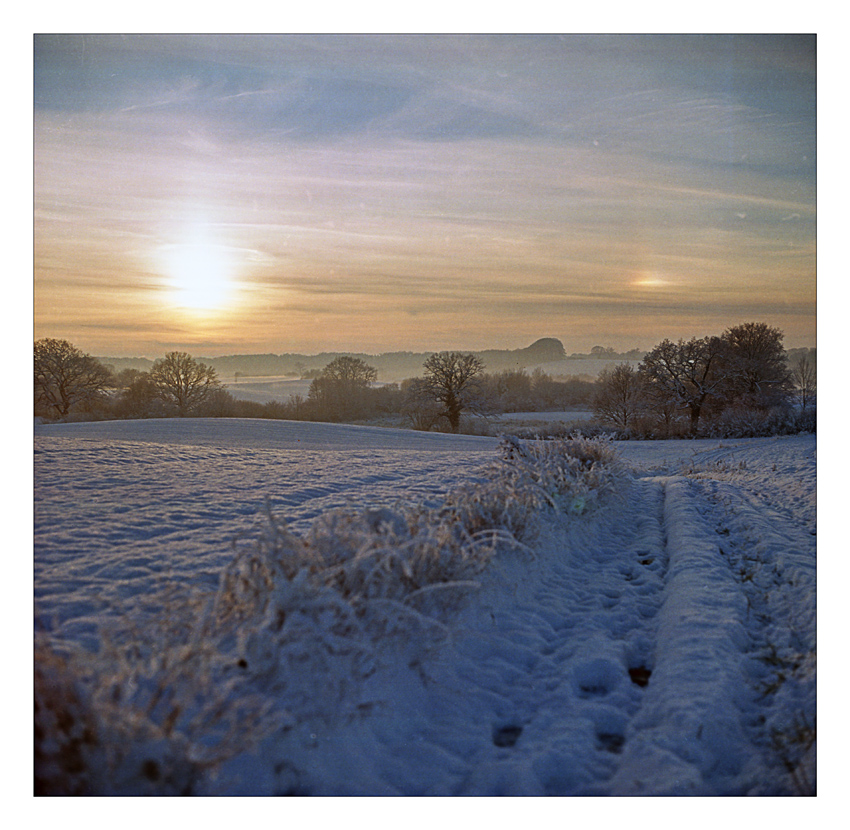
[{"x": 371, "y": 193}]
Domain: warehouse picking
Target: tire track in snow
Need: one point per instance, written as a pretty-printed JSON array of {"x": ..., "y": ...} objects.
[
  {"x": 691, "y": 727},
  {"x": 540, "y": 694},
  {"x": 535, "y": 698},
  {"x": 773, "y": 556}
]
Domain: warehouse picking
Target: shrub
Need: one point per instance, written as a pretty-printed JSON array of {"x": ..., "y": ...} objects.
[
  {"x": 566, "y": 473},
  {"x": 806, "y": 420},
  {"x": 744, "y": 422},
  {"x": 155, "y": 711},
  {"x": 67, "y": 746}
]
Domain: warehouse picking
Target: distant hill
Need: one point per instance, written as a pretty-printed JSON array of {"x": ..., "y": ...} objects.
[
  {"x": 391, "y": 366},
  {"x": 547, "y": 353}
]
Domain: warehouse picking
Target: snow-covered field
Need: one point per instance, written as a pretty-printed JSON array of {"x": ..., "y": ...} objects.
[
  {"x": 121, "y": 506},
  {"x": 656, "y": 638}
]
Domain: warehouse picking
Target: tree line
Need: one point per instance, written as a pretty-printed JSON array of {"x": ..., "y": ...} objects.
[
  {"x": 68, "y": 382},
  {"x": 71, "y": 384},
  {"x": 738, "y": 381}
]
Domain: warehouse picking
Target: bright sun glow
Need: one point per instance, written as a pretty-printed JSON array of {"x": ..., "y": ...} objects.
[{"x": 200, "y": 274}]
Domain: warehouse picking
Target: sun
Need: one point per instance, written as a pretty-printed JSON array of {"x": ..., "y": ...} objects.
[{"x": 200, "y": 275}]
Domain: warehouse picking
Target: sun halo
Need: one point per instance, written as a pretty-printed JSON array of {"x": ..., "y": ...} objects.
[{"x": 200, "y": 276}]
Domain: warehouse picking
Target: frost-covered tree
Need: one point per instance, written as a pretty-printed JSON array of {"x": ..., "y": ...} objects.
[
  {"x": 620, "y": 396},
  {"x": 182, "y": 382},
  {"x": 350, "y": 372},
  {"x": 419, "y": 405},
  {"x": 450, "y": 378},
  {"x": 804, "y": 377},
  {"x": 508, "y": 390},
  {"x": 687, "y": 374},
  {"x": 65, "y": 377},
  {"x": 139, "y": 396}
]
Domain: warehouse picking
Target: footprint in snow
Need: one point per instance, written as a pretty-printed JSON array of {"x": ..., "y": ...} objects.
[
  {"x": 506, "y": 735},
  {"x": 597, "y": 678}
]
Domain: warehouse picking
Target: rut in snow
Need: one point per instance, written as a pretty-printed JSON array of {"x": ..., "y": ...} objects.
[
  {"x": 554, "y": 680},
  {"x": 771, "y": 554},
  {"x": 628, "y": 663},
  {"x": 690, "y": 726},
  {"x": 731, "y": 705}
]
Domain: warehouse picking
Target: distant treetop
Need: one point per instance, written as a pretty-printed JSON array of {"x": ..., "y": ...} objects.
[{"x": 546, "y": 350}]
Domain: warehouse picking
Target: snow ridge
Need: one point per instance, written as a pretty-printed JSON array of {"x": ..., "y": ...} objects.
[{"x": 689, "y": 728}]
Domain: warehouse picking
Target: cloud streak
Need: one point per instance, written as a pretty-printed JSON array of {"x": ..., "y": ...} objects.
[{"x": 492, "y": 189}]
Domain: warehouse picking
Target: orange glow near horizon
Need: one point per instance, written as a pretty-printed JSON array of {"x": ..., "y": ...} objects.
[{"x": 651, "y": 280}]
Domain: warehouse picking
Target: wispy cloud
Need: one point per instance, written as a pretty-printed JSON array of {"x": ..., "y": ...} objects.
[{"x": 497, "y": 184}]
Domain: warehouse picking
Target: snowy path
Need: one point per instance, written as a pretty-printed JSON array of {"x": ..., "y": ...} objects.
[
  {"x": 663, "y": 643},
  {"x": 634, "y": 657}
]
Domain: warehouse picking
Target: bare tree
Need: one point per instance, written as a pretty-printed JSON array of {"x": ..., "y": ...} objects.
[
  {"x": 509, "y": 390},
  {"x": 602, "y": 352},
  {"x": 351, "y": 371},
  {"x": 620, "y": 395},
  {"x": 804, "y": 376},
  {"x": 419, "y": 405},
  {"x": 65, "y": 377},
  {"x": 686, "y": 373},
  {"x": 182, "y": 382},
  {"x": 450, "y": 379}
]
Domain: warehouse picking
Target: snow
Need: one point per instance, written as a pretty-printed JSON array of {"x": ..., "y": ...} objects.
[
  {"x": 110, "y": 497},
  {"x": 658, "y": 638}
]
